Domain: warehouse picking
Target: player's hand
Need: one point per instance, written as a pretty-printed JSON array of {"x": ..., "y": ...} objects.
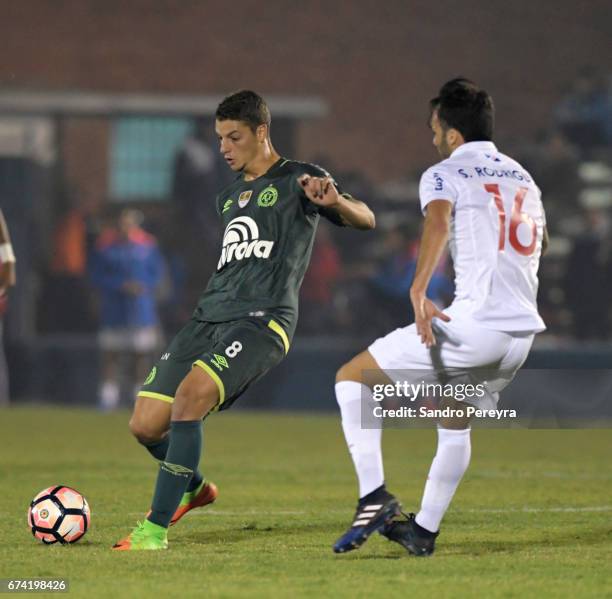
[
  {"x": 320, "y": 190},
  {"x": 424, "y": 311}
]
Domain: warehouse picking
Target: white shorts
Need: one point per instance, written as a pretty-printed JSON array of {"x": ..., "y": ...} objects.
[
  {"x": 140, "y": 340},
  {"x": 465, "y": 351}
]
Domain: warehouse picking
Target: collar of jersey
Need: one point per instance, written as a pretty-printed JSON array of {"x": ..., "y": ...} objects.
[
  {"x": 471, "y": 146},
  {"x": 280, "y": 162}
]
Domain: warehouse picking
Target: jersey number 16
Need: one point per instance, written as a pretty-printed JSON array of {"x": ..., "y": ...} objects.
[{"x": 516, "y": 219}]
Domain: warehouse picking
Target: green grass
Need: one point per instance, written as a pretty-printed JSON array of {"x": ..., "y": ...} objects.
[{"x": 531, "y": 518}]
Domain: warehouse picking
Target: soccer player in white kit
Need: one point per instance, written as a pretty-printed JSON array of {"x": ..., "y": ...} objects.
[{"x": 489, "y": 210}]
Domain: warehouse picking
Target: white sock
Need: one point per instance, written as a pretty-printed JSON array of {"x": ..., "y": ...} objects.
[
  {"x": 109, "y": 395},
  {"x": 364, "y": 444},
  {"x": 449, "y": 464}
]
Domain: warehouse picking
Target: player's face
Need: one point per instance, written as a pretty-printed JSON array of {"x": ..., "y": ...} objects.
[
  {"x": 238, "y": 144},
  {"x": 440, "y": 140}
]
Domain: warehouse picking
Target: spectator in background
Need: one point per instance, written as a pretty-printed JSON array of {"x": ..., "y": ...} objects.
[
  {"x": 174, "y": 306},
  {"x": 393, "y": 279},
  {"x": 553, "y": 161},
  {"x": 66, "y": 303},
  {"x": 197, "y": 177},
  {"x": 195, "y": 184},
  {"x": 318, "y": 311},
  {"x": 7, "y": 279},
  {"x": 126, "y": 269},
  {"x": 588, "y": 287},
  {"x": 583, "y": 113},
  {"x": 194, "y": 176}
]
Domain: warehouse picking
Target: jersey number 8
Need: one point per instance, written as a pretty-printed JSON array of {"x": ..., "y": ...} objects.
[{"x": 233, "y": 349}]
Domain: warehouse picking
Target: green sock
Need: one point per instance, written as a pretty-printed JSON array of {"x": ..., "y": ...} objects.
[
  {"x": 176, "y": 470},
  {"x": 159, "y": 450},
  {"x": 195, "y": 482}
]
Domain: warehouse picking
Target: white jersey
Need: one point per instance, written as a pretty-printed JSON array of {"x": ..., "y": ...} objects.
[{"x": 496, "y": 234}]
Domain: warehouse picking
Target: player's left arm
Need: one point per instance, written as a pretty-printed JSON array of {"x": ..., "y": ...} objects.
[
  {"x": 545, "y": 237},
  {"x": 433, "y": 242},
  {"x": 545, "y": 240},
  {"x": 323, "y": 192}
]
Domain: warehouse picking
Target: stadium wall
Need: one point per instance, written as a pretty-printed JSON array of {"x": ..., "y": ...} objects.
[
  {"x": 376, "y": 63},
  {"x": 567, "y": 388}
]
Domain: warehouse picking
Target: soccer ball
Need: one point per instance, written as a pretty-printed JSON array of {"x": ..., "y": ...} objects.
[{"x": 59, "y": 515}]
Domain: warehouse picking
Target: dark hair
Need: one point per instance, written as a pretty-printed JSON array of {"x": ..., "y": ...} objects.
[
  {"x": 462, "y": 105},
  {"x": 246, "y": 106}
]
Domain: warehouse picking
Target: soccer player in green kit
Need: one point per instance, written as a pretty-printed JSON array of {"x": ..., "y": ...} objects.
[{"x": 246, "y": 317}]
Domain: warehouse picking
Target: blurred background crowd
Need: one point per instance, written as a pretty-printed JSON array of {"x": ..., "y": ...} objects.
[{"x": 109, "y": 196}]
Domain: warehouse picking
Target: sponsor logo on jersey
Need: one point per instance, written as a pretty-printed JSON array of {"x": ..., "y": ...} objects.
[
  {"x": 227, "y": 206},
  {"x": 267, "y": 197},
  {"x": 244, "y": 197},
  {"x": 241, "y": 240}
]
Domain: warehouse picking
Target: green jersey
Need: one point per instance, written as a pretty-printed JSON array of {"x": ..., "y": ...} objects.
[{"x": 270, "y": 227}]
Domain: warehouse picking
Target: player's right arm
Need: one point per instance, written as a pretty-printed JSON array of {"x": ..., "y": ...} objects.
[
  {"x": 323, "y": 192},
  {"x": 438, "y": 195},
  {"x": 7, "y": 257},
  {"x": 433, "y": 242}
]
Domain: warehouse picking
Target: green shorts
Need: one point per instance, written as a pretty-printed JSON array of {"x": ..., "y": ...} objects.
[{"x": 234, "y": 354}]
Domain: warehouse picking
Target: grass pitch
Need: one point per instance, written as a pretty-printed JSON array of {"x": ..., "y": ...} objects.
[{"x": 532, "y": 517}]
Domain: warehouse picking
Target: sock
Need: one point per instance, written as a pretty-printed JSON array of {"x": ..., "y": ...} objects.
[
  {"x": 159, "y": 450},
  {"x": 378, "y": 494},
  {"x": 195, "y": 482},
  {"x": 449, "y": 464},
  {"x": 364, "y": 444},
  {"x": 109, "y": 395},
  {"x": 176, "y": 470}
]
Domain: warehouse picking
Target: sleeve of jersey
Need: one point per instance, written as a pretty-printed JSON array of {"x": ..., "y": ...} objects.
[
  {"x": 312, "y": 208},
  {"x": 217, "y": 207},
  {"x": 436, "y": 184}
]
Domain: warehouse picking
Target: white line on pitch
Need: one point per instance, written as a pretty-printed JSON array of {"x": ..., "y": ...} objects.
[
  {"x": 238, "y": 513},
  {"x": 526, "y": 509},
  {"x": 601, "y": 508}
]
